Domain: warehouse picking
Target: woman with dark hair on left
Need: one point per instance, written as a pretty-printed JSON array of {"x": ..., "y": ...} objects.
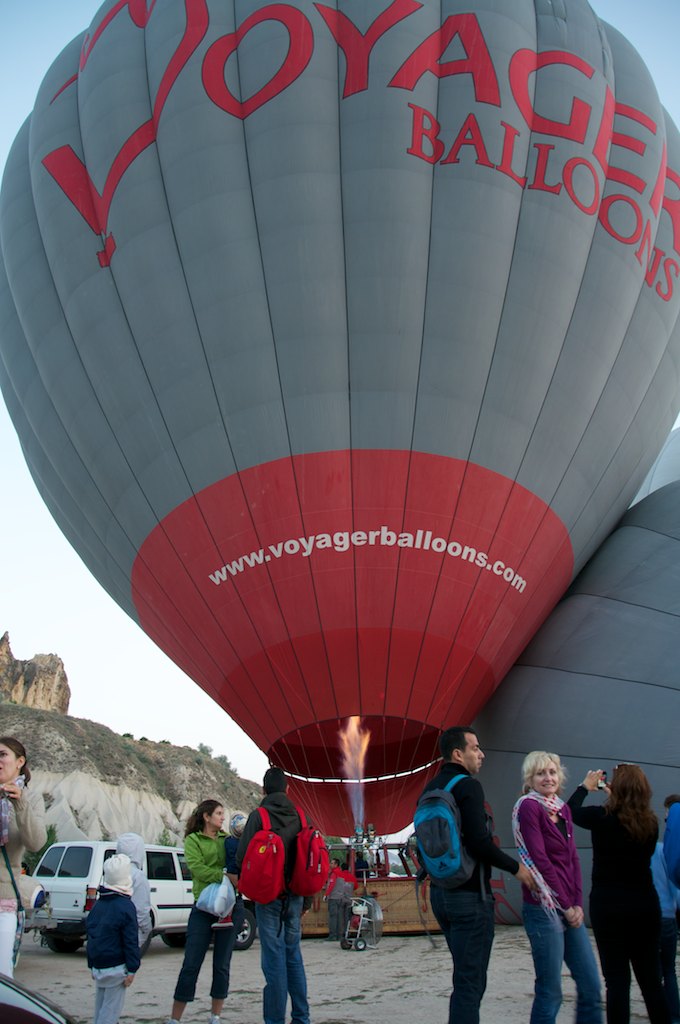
[
  {"x": 22, "y": 827},
  {"x": 624, "y": 906}
]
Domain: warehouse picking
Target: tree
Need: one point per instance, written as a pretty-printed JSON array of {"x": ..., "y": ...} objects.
[
  {"x": 165, "y": 839},
  {"x": 31, "y": 859}
]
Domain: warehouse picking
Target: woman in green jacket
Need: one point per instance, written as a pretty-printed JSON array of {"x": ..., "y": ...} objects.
[{"x": 205, "y": 857}]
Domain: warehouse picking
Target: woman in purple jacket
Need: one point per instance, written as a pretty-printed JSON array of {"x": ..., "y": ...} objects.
[{"x": 553, "y": 915}]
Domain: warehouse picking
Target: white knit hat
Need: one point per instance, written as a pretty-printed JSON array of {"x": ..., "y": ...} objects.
[{"x": 117, "y": 873}]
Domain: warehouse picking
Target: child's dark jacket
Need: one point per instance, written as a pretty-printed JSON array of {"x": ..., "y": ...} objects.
[{"x": 112, "y": 932}]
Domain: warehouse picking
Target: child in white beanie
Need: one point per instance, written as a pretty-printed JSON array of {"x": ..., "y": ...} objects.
[{"x": 112, "y": 948}]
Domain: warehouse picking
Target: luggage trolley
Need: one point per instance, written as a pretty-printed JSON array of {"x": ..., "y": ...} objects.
[{"x": 365, "y": 925}]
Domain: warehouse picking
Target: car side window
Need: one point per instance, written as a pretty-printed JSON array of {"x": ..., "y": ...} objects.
[
  {"x": 50, "y": 862},
  {"x": 184, "y": 868},
  {"x": 160, "y": 866},
  {"x": 76, "y": 862}
]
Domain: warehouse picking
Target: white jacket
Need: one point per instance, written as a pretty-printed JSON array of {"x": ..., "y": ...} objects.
[{"x": 133, "y": 845}]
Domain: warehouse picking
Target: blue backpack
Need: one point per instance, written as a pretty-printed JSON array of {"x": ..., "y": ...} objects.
[{"x": 437, "y": 825}]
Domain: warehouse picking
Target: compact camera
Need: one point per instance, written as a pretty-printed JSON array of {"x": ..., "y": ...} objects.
[{"x": 602, "y": 781}]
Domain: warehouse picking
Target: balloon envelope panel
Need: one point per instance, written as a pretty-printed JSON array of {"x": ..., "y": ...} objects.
[
  {"x": 337, "y": 339},
  {"x": 598, "y": 684}
]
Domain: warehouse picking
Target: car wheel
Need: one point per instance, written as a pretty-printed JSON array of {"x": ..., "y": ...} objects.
[
  {"x": 176, "y": 940},
  {"x": 59, "y": 945},
  {"x": 360, "y": 945},
  {"x": 246, "y": 936}
]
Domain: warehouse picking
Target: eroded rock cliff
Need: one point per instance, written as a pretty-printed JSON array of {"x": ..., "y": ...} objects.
[{"x": 39, "y": 682}]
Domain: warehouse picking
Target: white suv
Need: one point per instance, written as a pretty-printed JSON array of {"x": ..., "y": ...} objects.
[{"x": 72, "y": 872}]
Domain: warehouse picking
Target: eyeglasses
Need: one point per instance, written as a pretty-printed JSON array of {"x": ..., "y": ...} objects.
[{"x": 625, "y": 764}]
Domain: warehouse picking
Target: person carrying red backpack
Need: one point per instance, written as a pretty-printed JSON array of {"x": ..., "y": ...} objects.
[{"x": 278, "y": 920}]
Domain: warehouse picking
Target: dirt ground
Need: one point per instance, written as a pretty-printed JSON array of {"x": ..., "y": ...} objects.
[{"x": 403, "y": 978}]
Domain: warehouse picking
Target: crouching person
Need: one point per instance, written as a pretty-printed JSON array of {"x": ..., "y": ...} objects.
[{"x": 112, "y": 946}]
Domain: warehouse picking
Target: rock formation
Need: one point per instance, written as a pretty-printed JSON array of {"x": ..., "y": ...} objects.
[
  {"x": 39, "y": 682},
  {"x": 97, "y": 784}
]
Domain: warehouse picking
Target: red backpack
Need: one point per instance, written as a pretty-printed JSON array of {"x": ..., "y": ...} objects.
[
  {"x": 311, "y": 860},
  {"x": 262, "y": 871}
]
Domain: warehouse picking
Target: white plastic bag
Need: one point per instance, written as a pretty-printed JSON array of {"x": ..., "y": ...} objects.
[{"x": 218, "y": 898}]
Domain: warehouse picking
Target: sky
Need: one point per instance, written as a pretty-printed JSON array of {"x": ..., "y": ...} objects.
[{"x": 49, "y": 601}]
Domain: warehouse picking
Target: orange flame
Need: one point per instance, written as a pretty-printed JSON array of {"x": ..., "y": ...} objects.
[{"x": 354, "y": 744}]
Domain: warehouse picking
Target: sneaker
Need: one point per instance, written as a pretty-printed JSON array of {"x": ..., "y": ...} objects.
[{"x": 214, "y": 1019}]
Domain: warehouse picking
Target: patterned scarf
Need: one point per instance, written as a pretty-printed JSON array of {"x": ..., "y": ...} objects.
[
  {"x": 19, "y": 912},
  {"x": 4, "y": 820},
  {"x": 5, "y": 809},
  {"x": 546, "y": 896}
]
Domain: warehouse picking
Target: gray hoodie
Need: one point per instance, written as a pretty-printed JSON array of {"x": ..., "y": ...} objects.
[{"x": 133, "y": 845}]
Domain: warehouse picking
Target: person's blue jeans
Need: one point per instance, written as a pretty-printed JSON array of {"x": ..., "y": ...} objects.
[
  {"x": 199, "y": 933},
  {"x": 466, "y": 920},
  {"x": 669, "y": 947},
  {"x": 553, "y": 943},
  {"x": 279, "y": 929}
]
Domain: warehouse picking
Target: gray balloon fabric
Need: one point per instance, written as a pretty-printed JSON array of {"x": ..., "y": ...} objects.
[
  {"x": 598, "y": 684},
  {"x": 337, "y": 339}
]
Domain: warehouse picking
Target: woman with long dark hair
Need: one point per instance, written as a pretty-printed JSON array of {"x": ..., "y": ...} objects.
[
  {"x": 205, "y": 856},
  {"x": 624, "y": 906},
  {"x": 22, "y": 827}
]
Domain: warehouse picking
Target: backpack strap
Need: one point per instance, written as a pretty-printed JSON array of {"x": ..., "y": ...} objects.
[
  {"x": 301, "y": 814},
  {"x": 449, "y": 785},
  {"x": 264, "y": 818}
]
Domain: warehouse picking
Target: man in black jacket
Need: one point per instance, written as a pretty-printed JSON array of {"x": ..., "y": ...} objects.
[
  {"x": 278, "y": 923},
  {"x": 466, "y": 914}
]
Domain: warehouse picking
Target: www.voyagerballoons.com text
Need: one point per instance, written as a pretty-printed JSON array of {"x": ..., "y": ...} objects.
[{"x": 343, "y": 540}]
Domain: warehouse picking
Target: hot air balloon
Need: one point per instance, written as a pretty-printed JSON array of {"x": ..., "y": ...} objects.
[{"x": 337, "y": 338}]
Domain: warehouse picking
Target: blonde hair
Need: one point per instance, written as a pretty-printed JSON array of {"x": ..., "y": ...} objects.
[{"x": 535, "y": 761}]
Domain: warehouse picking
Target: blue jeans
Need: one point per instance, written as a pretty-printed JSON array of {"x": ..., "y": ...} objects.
[
  {"x": 279, "y": 929},
  {"x": 466, "y": 919},
  {"x": 199, "y": 934},
  {"x": 553, "y": 943}
]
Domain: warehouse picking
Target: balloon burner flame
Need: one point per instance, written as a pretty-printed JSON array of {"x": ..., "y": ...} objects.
[{"x": 354, "y": 743}]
